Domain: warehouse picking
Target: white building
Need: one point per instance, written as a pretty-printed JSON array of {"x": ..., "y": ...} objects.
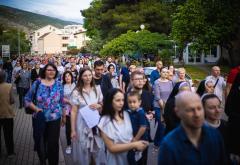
[
  {"x": 49, "y": 39},
  {"x": 49, "y": 43},
  {"x": 190, "y": 56},
  {"x": 39, "y": 33},
  {"x": 71, "y": 29}
]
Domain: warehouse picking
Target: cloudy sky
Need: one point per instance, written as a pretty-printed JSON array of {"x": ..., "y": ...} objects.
[{"x": 64, "y": 9}]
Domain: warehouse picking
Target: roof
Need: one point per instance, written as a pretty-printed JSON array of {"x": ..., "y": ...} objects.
[
  {"x": 44, "y": 35},
  {"x": 80, "y": 32}
]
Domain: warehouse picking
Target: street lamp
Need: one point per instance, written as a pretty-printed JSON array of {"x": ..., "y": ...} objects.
[{"x": 142, "y": 26}]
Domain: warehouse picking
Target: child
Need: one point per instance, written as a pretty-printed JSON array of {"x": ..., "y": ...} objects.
[{"x": 139, "y": 126}]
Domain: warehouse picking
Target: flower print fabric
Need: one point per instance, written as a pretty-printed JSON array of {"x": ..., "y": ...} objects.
[{"x": 49, "y": 99}]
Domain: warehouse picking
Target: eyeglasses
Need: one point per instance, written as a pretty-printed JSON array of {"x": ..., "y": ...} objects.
[
  {"x": 51, "y": 70},
  {"x": 138, "y": 79}
]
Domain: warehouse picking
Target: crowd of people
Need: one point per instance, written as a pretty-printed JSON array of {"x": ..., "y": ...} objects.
[{"x": 192, "y": 127}]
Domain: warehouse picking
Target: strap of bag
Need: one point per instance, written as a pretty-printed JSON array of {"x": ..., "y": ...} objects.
[
  {"x": 84, "y": 100},
  {"x": 35, "y": 92},
  {"x": 216, "y": 83}
]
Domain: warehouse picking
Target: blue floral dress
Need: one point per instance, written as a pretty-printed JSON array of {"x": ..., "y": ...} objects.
[{"x": 49, "y": 99}]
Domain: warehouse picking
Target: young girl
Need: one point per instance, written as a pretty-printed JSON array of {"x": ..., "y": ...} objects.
[
  {"x": 116, "y": 129},
  {"x": 68, "y": 86}
]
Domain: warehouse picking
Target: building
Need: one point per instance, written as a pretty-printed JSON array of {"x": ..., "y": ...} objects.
[
  {"x": 49, "y": 43},
  {"x": 71, "y": 29},
  {"x": 39, "y": 33},
  {"x": 50, "y": 40},
  {"x": 190, "y": 56}
]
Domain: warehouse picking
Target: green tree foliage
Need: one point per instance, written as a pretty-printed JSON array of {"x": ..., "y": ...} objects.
[
  {"x": 10, "y": 36},
  {"x": 94, "y": 45},
  {"x": 132, "y": 42},
  {"x": 110, "y": 18},
  {"x": 205, "y": 23}
]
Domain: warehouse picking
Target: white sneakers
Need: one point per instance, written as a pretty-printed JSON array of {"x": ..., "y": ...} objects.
[{"x": 68, "y": 150}]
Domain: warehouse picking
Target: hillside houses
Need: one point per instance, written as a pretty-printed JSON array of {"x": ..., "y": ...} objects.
[{"x": 52, "y": 40}]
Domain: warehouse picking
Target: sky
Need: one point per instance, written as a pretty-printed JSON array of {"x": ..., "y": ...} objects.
[{"x": 63, "y": 9}]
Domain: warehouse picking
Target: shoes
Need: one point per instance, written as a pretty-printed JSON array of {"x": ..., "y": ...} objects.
[{"x": 68, "y": 150}]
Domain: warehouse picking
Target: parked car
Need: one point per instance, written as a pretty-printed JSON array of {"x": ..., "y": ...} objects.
[{"x": 148, "y": 71}]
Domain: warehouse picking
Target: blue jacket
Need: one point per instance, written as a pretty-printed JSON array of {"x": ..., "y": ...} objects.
[
  {"x": 177, "y": 149},
  {"x": 154, "y": 76}
]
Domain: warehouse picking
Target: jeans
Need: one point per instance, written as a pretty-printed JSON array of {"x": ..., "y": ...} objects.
[
  {"x": 22, "y": 93},
  {"x": 160, "y": 129},
  {"x": 48, "y": 147}
]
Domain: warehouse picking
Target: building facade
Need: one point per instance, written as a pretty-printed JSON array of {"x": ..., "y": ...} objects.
[
  {"x": 190, "y": 56},
  {"x": 51, "y": 40}
]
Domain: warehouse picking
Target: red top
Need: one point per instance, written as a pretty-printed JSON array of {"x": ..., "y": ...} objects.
[{"x": 232, "y": 75}]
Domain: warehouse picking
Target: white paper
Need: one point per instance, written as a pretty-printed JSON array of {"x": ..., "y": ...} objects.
[{"x": 90, "y": 116}]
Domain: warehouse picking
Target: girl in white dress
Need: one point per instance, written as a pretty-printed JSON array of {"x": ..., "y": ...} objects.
[
  {"x": 116, "y": 129},
  {"x": 87, "y": 144}
]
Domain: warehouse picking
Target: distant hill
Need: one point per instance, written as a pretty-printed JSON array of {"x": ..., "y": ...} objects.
[{"x": 28, "y": 21}]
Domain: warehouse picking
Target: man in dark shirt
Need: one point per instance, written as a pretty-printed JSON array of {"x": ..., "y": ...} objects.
[
  {"x": 192, "y": 142},
  {"x": 101, "y": 79},
  {"x": 156, "y": 73},
  {"x": 137, "y": 80}
]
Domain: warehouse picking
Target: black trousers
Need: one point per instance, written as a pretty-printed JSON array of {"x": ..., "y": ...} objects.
[
  {"x": 49, "y": 148},
  {"x": 7, "y": 125},
  {"x": 141, "y": 161},
  {"x": 68, "y": 130},
  {"x": 22, "y": 93}
]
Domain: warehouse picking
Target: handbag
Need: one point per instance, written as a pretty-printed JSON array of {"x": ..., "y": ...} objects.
[
  {"x": 28, "y": 110},
  {"x": 18, "y": 78}
]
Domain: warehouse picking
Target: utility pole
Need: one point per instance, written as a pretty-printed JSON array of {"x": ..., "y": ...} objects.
[{"x": 18, "y": 42}]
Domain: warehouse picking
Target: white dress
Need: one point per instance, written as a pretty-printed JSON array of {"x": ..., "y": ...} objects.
[
  {"x": 87, "y": 144},
  {"x": 119, "y": 133}
]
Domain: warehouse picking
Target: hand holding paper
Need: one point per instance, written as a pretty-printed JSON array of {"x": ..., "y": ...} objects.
[{"x": 90, "y": 116}]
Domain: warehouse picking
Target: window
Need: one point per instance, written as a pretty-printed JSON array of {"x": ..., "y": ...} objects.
[
  {"x": 65, "y": 38},
  {"x": 64, "y": 45},
  {"x": 38, "y": 34}
]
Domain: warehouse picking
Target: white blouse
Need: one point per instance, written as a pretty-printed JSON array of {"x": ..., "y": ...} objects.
[{"x": 119, "y": 133}]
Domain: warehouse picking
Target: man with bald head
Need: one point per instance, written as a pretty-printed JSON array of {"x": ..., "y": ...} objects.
[
  {"x": 192, "y": 142},
  {"x": 219, "y": 83}
]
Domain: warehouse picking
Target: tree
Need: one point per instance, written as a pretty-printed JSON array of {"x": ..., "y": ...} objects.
[
  {"x": 10, "y": 36},
  {"x": 143, "y": 42},
  {"x": 111, "y": 18},
  {"x": 206, "y": 23}
]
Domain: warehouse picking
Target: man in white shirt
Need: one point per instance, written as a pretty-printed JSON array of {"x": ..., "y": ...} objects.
[{"x": 219, "y": 83}]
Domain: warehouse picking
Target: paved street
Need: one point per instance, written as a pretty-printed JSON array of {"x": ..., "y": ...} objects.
[{"x": 24, "y": 143}]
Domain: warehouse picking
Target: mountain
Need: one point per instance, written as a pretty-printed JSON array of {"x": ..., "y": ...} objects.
[{"x": 28, "y": 21}]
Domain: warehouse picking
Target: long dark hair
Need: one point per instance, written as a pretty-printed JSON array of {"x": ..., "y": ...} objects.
[
  {"x": 80, "y": 82},
  {"x": 147, "y": 86},
  {"x": 64, "y": 75},
  {"x": 107, "y": 104}
]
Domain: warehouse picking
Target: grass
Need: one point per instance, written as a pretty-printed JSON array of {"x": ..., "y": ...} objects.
[
  {"x": 195, "y": 72},
  {"x": 200, "y": 72}
]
